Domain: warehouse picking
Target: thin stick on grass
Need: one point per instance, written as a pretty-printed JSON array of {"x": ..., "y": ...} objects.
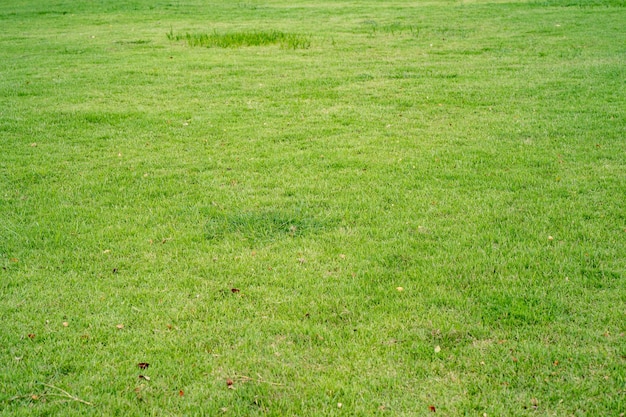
[
  {"x": 244, "y": 378},
  {"x": 64, "y": 394},
  {"x": 20, "y": 397}
]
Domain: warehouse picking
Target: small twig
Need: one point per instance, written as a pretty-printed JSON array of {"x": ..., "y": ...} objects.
[
  {"x": 20, "y": 397},
  {"x": 65, "y": 394},
  {"x": 244, "y": 378}
]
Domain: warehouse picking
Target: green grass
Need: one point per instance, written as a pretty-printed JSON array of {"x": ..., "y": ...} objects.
[
  {"x": 422, "y": 207},
  {"x": 240, "y": 39}
]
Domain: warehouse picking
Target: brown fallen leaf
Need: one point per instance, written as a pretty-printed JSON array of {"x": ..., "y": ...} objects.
[
  {"x": 235, "y": 290},
  {"x": 229, "y": 383},
  {"x": 31, "y": 335},
  {"x": 432, "y": 408},
  {"x": 143, "y": 365},
  {"x": 181, "y": 393},
  {"x": 147, "y": 378}
]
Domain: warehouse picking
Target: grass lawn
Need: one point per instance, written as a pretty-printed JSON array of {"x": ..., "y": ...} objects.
[{"x": 316, "y": 207}]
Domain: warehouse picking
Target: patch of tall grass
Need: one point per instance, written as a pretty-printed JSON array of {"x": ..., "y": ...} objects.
[{"x": 243, "y": 39}]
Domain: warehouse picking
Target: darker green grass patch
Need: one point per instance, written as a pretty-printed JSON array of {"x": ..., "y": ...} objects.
[
  {"x": 262, "y": 225},
  {"x": 520, "y": 310},
  {"x": 243, "y": 39},
  {"x": 133, "y": 42},
  {"x": 373, "y": 27}
]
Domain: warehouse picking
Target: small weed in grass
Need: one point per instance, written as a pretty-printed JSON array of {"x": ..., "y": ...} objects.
[{"x": 242, "y": 39}]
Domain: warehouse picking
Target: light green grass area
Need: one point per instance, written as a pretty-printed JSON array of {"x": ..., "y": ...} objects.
[{"x": 422, "y": 207}]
